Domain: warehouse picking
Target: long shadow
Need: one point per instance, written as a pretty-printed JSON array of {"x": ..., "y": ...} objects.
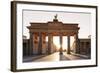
[
  {"x": 63, "y": 57},
  {"x": 84, "y": 57},
  {"x": 32, "y": 58}
]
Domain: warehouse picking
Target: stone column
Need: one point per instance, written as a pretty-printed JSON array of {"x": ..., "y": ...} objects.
[
  {"x": 61, "y": 40},
  {"x": 68, "y": 50},
  {"x": 31, "y": 44},
  {"x": 49, "y": 43},
  {"x": 52, "y": 49},
  {"x": 40, "y": 44},
  {"x": 85, "y": 48},
  {"x": 77, "y": 44},
  {"x": 44, "y": 43},
  {"x": 84, "y": 45},
  {"x": 27, "y": 48},
  {"x": 35, "y": 43}
]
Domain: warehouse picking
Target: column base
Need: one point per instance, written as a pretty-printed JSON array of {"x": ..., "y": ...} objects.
[
  {"x": 49, "y": 53},
  {"x": 68, "y": 53},
  {"x": 77, "y": 52},
  {"x": 61, "y": 53}
]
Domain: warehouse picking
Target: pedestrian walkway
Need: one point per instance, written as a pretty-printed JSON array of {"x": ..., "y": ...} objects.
[
  {"x": 55, "y": 57},
  {"x": 51, "y": 57},
  {"x": 32, "y": 58},
  {"x": 74, "y": 56}
]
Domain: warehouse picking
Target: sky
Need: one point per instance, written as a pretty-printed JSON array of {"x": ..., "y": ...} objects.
[{"x": 83, "y": 19}]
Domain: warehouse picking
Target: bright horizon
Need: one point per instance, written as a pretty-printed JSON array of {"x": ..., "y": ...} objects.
[{"x": 56, "y": 41}]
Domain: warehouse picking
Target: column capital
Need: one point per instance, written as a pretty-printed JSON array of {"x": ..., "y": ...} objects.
[
  {"x": 61, "y": 33},
  {"x": 49, "y": 33}
]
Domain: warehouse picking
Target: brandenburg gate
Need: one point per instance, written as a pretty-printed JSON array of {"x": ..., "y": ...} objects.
[{"x": 39, "y": 31}]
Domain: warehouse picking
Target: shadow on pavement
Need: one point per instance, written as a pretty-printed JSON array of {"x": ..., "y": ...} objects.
[{"x": 63, "y": 57}]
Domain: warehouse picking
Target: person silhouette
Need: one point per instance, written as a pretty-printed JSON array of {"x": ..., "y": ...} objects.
[{"x": 56, "y": 16}]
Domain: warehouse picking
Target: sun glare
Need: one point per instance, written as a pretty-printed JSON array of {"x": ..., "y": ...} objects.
[{"x": 56, "y": 42}]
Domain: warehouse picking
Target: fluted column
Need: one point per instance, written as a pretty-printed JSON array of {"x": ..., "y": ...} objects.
[
  {"x": 52, "y": 49},
  {"x": 68, "y": 50},
  {"x": 77, "y": 50},
  {"x": 49, "y": 43},
  {"x": 27, "y": 48},
  {"x": 31, "y": 44},
  {"x": 85, "y": 47},
  {"x": 61, "y": 40},
  {"x": 44, "y": 43},
  {"x": 40, "y": 43},
  {"x": 35, "y": 43}
]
